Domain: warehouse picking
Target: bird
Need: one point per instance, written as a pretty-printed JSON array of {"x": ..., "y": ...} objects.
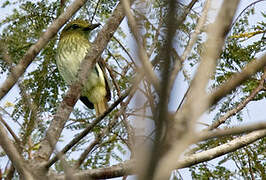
[{"x": 72, "y": 48}]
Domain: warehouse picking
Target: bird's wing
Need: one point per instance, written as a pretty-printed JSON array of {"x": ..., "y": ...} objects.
[
  {"x": 86, "y": 101},
  {"x": 107, "y": 82}
]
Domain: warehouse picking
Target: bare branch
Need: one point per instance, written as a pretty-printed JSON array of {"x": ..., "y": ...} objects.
[
  {"x": 13, "y": 154},
  {"x": 220, "y": 150},
  {"x": 164, "y": 92},
  {"x": 95, "y": 10},
  {"x": 213, "y": 47},
  {"x": 192, "y": 41},
  {"x": 110, "y": 71},
  {"x": 230, "y": 131},
  {"x": 141, "y": 50},
  {"x": 96, "y": 141},
  {"x": 237, "y": 79},
  {"x": 118, "y": 170},
  {"x": 240, "y": 106},
  {"x": 9, "y": 130},
  {"x": 128, "y": 167}
]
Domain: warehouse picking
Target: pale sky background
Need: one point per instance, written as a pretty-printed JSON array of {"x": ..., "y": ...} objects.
[{"x": 254, "y": 112}]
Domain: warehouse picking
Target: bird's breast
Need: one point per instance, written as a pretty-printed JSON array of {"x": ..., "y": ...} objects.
[{"x": 68, "y": 58}]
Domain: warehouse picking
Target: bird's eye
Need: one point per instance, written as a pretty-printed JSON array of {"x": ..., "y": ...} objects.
[{"x": 74, "y": 26}]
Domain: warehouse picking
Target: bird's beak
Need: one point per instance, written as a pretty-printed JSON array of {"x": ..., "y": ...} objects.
[{"x": 91, "y": 27}]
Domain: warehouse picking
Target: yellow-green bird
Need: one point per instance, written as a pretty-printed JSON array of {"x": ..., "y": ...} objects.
[{"x": 72, "y": 48}]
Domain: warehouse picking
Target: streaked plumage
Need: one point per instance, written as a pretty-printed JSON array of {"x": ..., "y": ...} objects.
[{"x": 72, "y": 48}]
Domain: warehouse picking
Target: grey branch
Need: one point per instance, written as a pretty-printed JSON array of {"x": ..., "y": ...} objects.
[
  {"x": 13, "y": 154},
  {"x": 128, "y": 167},
  {"x": 236, "y": 80},
  {"x": 230, "y": 131},
  {"x": 240, "y": 106},
  {"x": 148, "y": 71}
]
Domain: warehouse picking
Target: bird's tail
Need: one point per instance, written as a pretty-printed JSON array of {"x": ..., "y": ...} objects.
[{"x": 100, "y": 107}]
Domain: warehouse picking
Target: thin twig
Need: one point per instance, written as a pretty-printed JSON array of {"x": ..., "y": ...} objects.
[
  {"x": 125, "y": 50},
  {"x": 240, "y": 106},
  {"x": 95, "y": 10},
  {"x": 96, "y": 141},
  {"x": 141, "y": 50},
  {"x": 113, "y": 78},
  {"x": 205, "y": 135},
  {"x": 248, "y": 6},
  {"x": 10, "y": 131},
  {"x": 194, "y": 36}
]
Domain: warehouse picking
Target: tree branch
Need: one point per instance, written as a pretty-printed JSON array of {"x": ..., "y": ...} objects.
[
  {"x": 237, "y": 79},
  {"x": 218, "y": 151},
  {"x": 193, "y": 38},
  {"x": 13, "y": 154},
  {"x": 118, "y": 170},
  {"x": 240, "y": 105},
  {"x": 141, "y": 50},
  {"x": 10, "y": 131},
  {"x": 164, "y": 92},
  {"x": 230, "y": 131},
  {"x": 129, "y": 167}
]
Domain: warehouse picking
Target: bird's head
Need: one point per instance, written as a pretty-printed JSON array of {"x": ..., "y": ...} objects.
[{"x": 79, "y": 28}]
